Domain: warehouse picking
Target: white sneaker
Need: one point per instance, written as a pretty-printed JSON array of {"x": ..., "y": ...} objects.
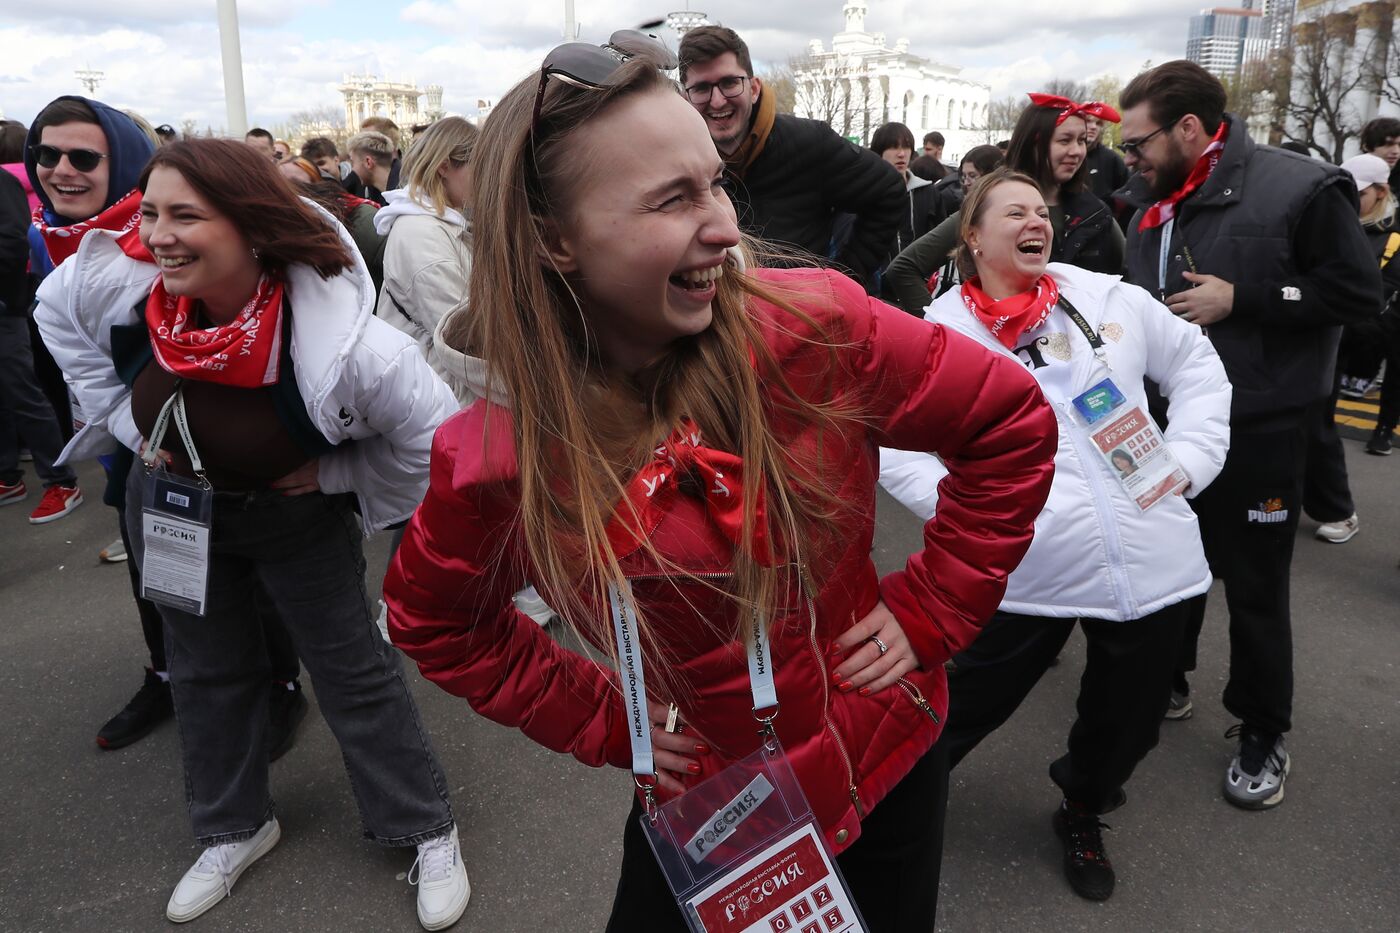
[
  {"x": 443, "y": 889},
  {"x": 1339, "y": 532},
  {"x": 211, "y": 879},
  {"x": 113, "y": 553},
  {"x": 530, "y": 602}
]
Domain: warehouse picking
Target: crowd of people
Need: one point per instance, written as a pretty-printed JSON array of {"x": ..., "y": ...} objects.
[{"x": 633, "y": 356}]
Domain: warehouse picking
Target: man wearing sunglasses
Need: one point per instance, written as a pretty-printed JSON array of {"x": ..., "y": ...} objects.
[
  {"x": 1261, "y": 248},
  {"x": 789, "y": 177}
]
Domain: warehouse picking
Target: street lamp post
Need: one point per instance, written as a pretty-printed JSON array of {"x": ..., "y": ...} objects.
[{"x": 232, "y": 53}]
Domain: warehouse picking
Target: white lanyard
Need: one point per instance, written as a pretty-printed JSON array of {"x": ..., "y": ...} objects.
[
  {"x": 175, "y": 403},
  {"x": 634, "y": 690},
  {"x": 1162, "y": 256}
]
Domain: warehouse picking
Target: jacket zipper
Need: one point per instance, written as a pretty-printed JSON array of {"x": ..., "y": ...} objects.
[
  {"x": 917, "y": 696},
  {"x": 826, "y": 693}
]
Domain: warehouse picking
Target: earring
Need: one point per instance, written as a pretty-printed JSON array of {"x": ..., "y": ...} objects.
[{"x": 977, "y": 252}]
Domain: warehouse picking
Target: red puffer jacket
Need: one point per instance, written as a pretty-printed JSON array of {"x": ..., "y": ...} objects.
[{"x": 923, "y": 388}]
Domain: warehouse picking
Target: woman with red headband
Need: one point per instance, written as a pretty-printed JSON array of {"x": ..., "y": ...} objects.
[
  {"x": 1050, "y": 145},
  {"x": 1117, "y": 551}
]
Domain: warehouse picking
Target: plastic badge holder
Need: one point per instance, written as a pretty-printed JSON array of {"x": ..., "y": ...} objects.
[{"x": 742, "y": 853}]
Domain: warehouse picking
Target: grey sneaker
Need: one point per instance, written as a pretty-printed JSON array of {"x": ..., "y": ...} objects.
[
  {"x": 1256, "y": 774},
  {"x": 1179, "y": 706},
  {"x": 1339, "y": 532}
]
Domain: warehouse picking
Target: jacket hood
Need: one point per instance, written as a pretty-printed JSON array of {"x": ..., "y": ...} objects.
[
  {"x": 128, "y": 150},
  {"x": 401, "y": 205},
  {"x": 914, "y": 182}
]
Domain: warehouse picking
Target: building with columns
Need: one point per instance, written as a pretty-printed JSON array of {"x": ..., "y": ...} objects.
[
  {"x": 1346, "y": 50},
  {"x": 367, "y": 96},
  {"x": 861, "y": 83}
]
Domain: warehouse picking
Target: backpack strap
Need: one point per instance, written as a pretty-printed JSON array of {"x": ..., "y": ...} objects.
[{"x": 1392, "y": 245}]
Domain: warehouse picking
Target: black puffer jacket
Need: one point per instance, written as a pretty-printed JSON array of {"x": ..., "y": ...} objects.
[
  {"x": 803, "y": 178},
  {"x": 1090, "y": 239},
  {"x": 16, "y": 290}
]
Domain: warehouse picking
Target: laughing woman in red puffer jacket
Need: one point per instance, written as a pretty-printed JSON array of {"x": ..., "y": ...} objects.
[{"x": 657, "y": 411}]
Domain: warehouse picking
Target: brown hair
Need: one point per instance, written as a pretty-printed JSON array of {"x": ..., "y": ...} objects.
[
  {"x": 248, "y": 189},
  {"x": 1173, "y": 90},
  {"x": 706, "y": 43},
  {"x": 12, "y": 136},
  {"x": 318, "y": 147},
  {"x": 1029, "y": 152},
  {"x": 974, "y": 207},
  {"x": 579, "y": 428},
  {"x": 382, "y": 125},
  {"x": 1377, "y": 131},
  {"x": 64, "y": 110}
]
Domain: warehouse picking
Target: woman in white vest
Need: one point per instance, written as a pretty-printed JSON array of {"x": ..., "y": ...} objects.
[{"x": 1116, "y": 549}]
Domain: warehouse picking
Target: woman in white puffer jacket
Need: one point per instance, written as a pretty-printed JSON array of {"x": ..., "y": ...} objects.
[
  {"x": 427, "y": 260},
  {"x": 1117, "y": 550}
]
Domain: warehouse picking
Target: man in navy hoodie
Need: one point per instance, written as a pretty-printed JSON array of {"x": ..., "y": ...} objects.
[{"x": 84, "y": 160}]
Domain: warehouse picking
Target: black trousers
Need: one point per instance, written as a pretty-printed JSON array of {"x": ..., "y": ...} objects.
[
  {"x": 1123, "y": 693},
  {"x": 1326, "y": 489},
  {"x": 892, "y": 869},
  {"x": 1248, "y": 518}
]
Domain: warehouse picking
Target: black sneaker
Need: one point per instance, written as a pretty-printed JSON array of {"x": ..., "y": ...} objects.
[
  {"x": 1379, "y": 443},
  {"x": 286, "y": 708},
  {"x": 150, "y": 707},
  {"x": 1087, "y": 867}
]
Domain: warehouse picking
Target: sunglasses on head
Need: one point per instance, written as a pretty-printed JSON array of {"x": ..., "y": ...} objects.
[
  {"x": 592, "y": 67},
  {"x": 82, "y": 160}
]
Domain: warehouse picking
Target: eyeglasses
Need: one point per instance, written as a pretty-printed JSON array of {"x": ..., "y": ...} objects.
[
  {"x": 1134, "y": 149},
  {"x": 592, "y": 67},
  {"x": 729, "y": 87},
  {"x": 82, "y": 160}
]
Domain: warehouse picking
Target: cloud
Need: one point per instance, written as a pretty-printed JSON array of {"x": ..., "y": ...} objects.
[{"x": 162, "y": 58}]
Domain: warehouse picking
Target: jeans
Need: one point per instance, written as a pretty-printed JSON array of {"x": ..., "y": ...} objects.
[
  {"x": 26, "y": 417},
  {"x": 1123, "y": 693},
  {"x": 892, "y": 869},
  {"x": 306, "y": 553}
]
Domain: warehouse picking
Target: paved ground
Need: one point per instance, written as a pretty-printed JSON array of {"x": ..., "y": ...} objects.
[{"x": 94, "y": 841}]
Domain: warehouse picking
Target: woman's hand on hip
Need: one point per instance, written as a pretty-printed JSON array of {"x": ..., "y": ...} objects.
[
  {"x": 300, "y": 481},
  {"x": 866, "y": 668}
]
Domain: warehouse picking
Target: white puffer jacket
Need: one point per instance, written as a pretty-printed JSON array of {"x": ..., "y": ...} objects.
[
  {"x": 366, "y": 386},
  {"x": 427, "y": 266},
  {"x": 1095, "y": 554}
]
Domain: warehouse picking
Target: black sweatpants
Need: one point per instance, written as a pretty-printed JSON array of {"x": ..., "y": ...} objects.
[
  {"x": 1248, "y": 518},
  {"x": 1123, "y": 693},
  {"x": 1326, "y": 488},
  {"x": 892, "y": 869}
]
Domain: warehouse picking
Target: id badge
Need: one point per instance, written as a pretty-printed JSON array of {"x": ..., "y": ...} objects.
[
  {"x": 1099, "y": 402},
  {"x": 176, "y": 530},
  {"x": 742, "y": 853},
  {"x": 1139, "y": 458}
]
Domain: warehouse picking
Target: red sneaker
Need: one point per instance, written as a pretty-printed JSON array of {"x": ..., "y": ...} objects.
[
  {"x": 10, "y": 493},
  {"x": 58, "y": 501}
]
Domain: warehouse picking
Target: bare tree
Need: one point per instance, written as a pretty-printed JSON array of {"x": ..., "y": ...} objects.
[
  {"x": 1074, "y": 90},
  {"x": 1332, "y": 71},
  {"x": 820, "y": 90},
  {"x": 778, "y": 81},
  {"x": 1001, "y": 117}
]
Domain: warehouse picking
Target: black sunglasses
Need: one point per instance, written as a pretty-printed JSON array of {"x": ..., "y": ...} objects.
[
  {"x": 82, "y": 160},
  {"x": 591, "y": 67},
  {"x": 1134, "y": 149}
]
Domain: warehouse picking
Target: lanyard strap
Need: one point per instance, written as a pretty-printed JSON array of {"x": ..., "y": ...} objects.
[
  {"x": 1164, "y": 252},
  {"x": 634, "y": 689},
  {"x": 174, "y": 405},
  {"x": 1085, "y": 328}
]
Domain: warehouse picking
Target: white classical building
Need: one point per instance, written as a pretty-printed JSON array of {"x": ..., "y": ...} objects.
[
  {"x": 367, "y": 96},
  {"x": 1362, "y": 61},
  {"x": 861, "y": 83}
]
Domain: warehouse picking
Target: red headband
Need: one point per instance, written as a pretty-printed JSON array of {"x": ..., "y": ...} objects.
[{"x": 1069, "y": 108}]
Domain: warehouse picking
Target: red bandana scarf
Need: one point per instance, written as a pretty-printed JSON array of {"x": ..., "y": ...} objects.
[
  {"x": 123, "y": 218},
  {"x": 244, "y": 353},
  {"x": 1069, "y": 108},
  {"x": 1165, "y": 209},
  {"x": 656, "y": 485},
  {"x": 1009, "y": 318}
]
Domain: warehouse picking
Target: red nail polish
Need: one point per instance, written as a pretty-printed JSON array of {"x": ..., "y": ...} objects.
[
  {"x": 836, "y": 678},
  {"x": 864, "y": 691},
  {"x": 701, "y": 748},
  {"x": 845, "y": 686},
  {"x": 693, "y": 767}
]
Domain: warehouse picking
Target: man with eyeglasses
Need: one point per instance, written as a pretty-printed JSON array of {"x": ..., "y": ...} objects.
[
  {"x": 1262, "y": 249},
  {"x": 789, "y": 177}
]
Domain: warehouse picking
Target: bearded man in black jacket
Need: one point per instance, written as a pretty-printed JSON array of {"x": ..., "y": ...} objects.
[{"x": 789, "y": 177}]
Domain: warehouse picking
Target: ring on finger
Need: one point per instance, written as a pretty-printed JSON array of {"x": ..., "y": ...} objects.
[
  {"x": 879, "y": 644},
  {"x": 673, "y": 719}
]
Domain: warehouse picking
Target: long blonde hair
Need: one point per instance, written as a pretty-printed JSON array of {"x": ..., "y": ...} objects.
[
  {"x": 581, "y": 430},
  {"x": 450, "y": 139}
]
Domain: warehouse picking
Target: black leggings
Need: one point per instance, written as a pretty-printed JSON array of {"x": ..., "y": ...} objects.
[{"x": 892, "y": 869}]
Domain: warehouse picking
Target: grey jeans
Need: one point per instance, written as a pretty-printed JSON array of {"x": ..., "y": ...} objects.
[
  {"x": 306, "y": 552},
  {"x": 26, "y": 417}
]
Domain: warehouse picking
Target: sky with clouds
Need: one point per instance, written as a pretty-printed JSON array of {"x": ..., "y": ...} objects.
[{"x": 161, "y": 57}]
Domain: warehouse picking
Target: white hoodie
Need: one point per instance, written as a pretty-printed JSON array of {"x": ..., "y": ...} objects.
[
  {"x": 1095, "y": 553},
  {"x": 427, "y": 268}
]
